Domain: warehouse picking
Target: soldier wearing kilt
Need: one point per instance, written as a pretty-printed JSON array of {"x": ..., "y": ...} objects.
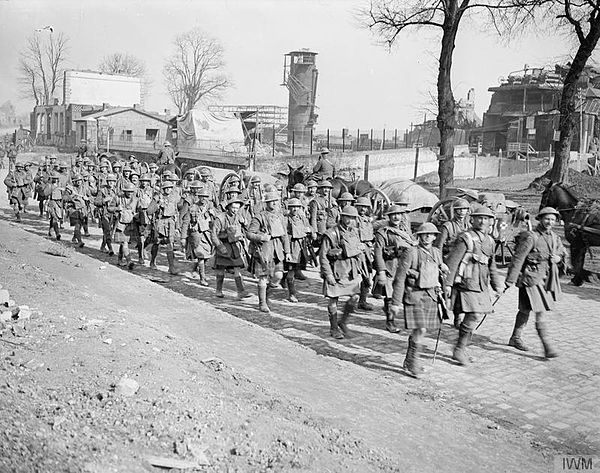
[
  {"x": 364, "y": 223},
  {"x": 416, "y": 286},
  {"x": 76, "y": 200},
  {"x": 125, "y": 208},
  {"x": 297, "y": 230},
  {"x": 104, "y": 196},
  {"x": 145, "y": 195},
  {"x": 391, "y": 241},
  {"x": 323, "y": 210},
  {"x": 343, "y": 267},
  {"x": 449, "y": 232},
  {"x": 54, "y": 195},
  {"x": 228, "y": 237},
  {"x": 472, "y": 268},
  {"x": 196, "y": 233},
  {"x": 188, "y": 198},
  {"x": 164, "y": 210},
  {"x": 269, "y": 247},
  {"x": 534, "y": 269},
  {"x": 41, "y": 180},
  {"x": 17, "y": 183}
]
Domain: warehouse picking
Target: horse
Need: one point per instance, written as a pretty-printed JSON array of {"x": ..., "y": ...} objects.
[
  {"x": 582, "y": 224},
  {"x": 298, "y": 175}
]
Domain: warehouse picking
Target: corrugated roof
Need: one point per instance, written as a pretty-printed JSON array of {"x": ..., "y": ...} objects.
[{"x": 116, "y": 110}]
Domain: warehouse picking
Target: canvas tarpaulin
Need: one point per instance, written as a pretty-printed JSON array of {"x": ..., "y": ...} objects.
[{"x": 210, "y": 131}]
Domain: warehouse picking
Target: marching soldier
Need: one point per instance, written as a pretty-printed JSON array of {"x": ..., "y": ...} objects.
[
  {"x": 54, "y": 195},
  {"x": 164, "y": 209},
  {"x": 103, "y": 198},
  {"x": 323, "y": 210},
  {"x": 153, "y": 167},
  {"x": 299, "y": 192},
  {"x": 17, "y": 183},
  {"x": 41, "y": 180},
  {"x": 30, "y": 186},
  {"x": 297, "y": 229},
  {"x": 269, "y": 247},
  {"x": 228, "y": 239},
  {"x": 343, "y": 267},
  {"x": 534, "y": 269},
  {"x": 364, "y": 224},
  {"x": 344, "y": 200},
  {"x": 449, "y": 232},
  {"x": 255, "y": 196},
  {"x": 125, "y": 208},
  {"x": 145, "y": 196},
  {"x": 76, "y": 200},
  {"x": 391, "y": 241},
  {"x": 209, "y": 186},
  {"x": 311, "y": 189},
  {"x": 472, "y": 268},
  {"x": 196, "y": 233},
  {"x": 417, "y": 286}
]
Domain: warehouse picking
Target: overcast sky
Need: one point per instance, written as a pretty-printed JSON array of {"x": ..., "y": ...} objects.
[{"x": 361, "y": 84}]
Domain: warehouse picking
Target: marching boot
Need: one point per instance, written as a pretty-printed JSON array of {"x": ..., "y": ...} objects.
[
  {"x": 549, "y": 352},
  {"x": 140, "y": 250},
  {"x": 56, "y": 231},
  {"x": 120, "y": 257},
  {"x": 241, "y": 292},
  {"x": 262, "y": 299},
  {"x": 362, "y": 301},
  {"x": 172, "y": 264},
  {"x": 412, "y": 362},
  {"x": 299, "y": 275},
  {"x": 77, "y": 236},
  {"x": 457, "y": 321},
  {"x": 86, "y": 231},
  {"x": 284, "y": 281},
  {"x": 515, "y": 339},
  {"x": 291, "y": 284},
  {"x": 130, "y": 264},
  {"x": 333, "y": 325},
  {"x": 349, "y": 307},
  {"x": 390, "y": 324},
  {"x": 153, "y": 255},
  {"x": 103, "y": 245},
  {"x": 219, "y": 291},
  {"x": 202, "y": 273},
  {"x": 459, "y": 350},
  {"x": 41, "y": 207}
]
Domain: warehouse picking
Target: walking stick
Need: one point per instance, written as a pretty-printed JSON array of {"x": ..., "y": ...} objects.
[
  {"x": 493, "y": 304},
  {"x": 437, "y": 342}
]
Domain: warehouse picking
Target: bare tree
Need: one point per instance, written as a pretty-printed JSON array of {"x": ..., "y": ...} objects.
[
  {"x": 581, "y": 18},
  {"x": 123, "y": 64},
  {"x": 41, "y": 66},
  {"x": 389, "y": 18},
  {"x": 194, "y": 72}
]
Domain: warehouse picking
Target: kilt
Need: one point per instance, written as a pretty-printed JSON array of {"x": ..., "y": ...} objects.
[
  {"x": 268, "y": 268},
  {"x": 535, "y": 299},
  {"x": 422, "y": 315},
  {"x": 55, "y": 211},
  {"x": 126, "y": 233},
  {"x": 77, "y": 217},
  {"x": 165, "y": 230},
  {"x": 470, "y": 301},
  {"x": 344, "y": 287},
  {"x": 199, "y": 245},
  {"x": 233, "y": 259}
]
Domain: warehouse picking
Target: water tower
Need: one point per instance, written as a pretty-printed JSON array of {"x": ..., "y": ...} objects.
[{"x": 300, "y": 76}]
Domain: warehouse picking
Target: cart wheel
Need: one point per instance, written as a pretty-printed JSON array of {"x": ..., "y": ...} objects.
[
  {"x": 379, "y": 202},
  {"x": 441, "y": 212}
]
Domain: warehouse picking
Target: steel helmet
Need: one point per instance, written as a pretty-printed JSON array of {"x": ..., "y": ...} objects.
[
  {"x": 346, "y": 197},
  {"x": 547, "y": 211},
  {"x": 427, "y": 227},
  {"x": 350, "y": 211},
  {"x": 461, "y": 204},
  {"x": 482, "y": 211},
  {"x": 293, "y": 202}
]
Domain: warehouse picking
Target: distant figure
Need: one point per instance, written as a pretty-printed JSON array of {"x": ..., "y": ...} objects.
[
  {"x": 82, "y": 149},
  {"x": 324, "y": 169},
  {"x": 2, "y": 154},
  {"x": 12, "y": 156},
  {"x": 166, "y": 156}
]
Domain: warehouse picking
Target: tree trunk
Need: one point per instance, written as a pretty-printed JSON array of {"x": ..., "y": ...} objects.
[
  {"x": 446, "y": 120},
  {"x": 568, "y": 116}
]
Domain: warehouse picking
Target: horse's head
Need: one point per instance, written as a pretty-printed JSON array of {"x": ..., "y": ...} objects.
[
  {"x": 294, "y": 176},
  {"x": 558, "y": 196}
]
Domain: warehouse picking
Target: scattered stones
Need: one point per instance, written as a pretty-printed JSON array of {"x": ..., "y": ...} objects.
[
  {"x": 108, "y": 341},
  {"x": 165, "y": 462},
  {"x": 126, "y": 387}
]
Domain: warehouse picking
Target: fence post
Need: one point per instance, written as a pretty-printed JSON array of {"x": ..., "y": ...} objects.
[
  {"x": 327, "y": 137},
  {"x": 343, "y": 139},
  {"x": 500, "y": 165},
  {"x": 371, "y": 139},
  {"x": 273, "y": 140},
  {"x": 293, "y": 142},
  {"x": 383, "y": 140},
  {"x": 395, "y": 138},
  {"x": 366, "y": 169},
  {"x": 475, "y": 167},
  {"x": 311, "y": 141},
  {"x": 416, "y": 163},
  {"x": 357, "y": 139}
]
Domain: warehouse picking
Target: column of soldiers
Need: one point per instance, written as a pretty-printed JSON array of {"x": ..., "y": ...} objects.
[{"x": 276, "y": 237}]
